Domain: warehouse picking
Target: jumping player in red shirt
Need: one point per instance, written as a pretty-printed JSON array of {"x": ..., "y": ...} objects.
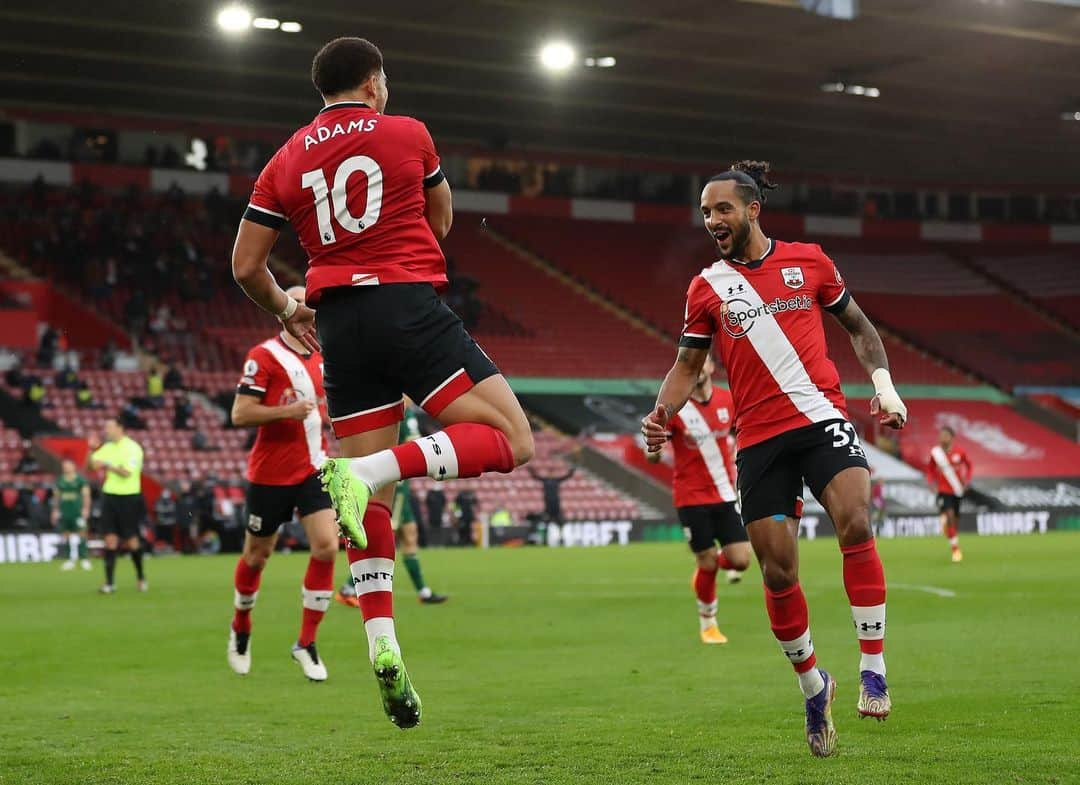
[
  {"x": 280, "y": 391},
  {"x": 762, "y": 303},
  {"x": 369, "y": 203},
  {"x": 703, "y": 487},
  {"x": 949, "y": 471}
]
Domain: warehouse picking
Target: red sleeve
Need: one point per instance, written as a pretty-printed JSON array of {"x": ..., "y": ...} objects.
[
  {"x": 433, "y": 173},
  {"x": 832, "y": 293},
  {"x": 255, "y": 379},
  {"x": 968, "y": 469},
  {"x": 264, "y": 207},
  {"x": 699, "y": 326}
]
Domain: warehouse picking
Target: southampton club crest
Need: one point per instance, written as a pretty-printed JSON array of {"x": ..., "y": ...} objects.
[{"x": 793, "y": 277}]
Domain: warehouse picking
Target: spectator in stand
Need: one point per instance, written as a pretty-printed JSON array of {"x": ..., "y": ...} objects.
[
  {"x": 129, "y": 417},
  {"x": 28, "y": 464},
  {"x": 66, "y": 378},
  {"x": 47, "y": 346},
  {"x": 182, "y": 412},
  {"x": 436, "y": 507},
  {"x": 108, "y": 356},
  {"x": 14, "y": 376},
  {"x": 173, "y": 379},
  {"x": 466, "y": 504},
  {"x": 84, "y": 396},
  {"x": 136, "y": 310},
  {"x": 155, "y": 387},
  {"x": 33, "y": 391},
  {"x": 165, "y": 509},
  {"x": 201, "y": 442},
  {"x": 553, "y": 510}
]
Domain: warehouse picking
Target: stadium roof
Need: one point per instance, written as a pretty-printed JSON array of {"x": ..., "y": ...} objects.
[{"x": 971, "y": 91}]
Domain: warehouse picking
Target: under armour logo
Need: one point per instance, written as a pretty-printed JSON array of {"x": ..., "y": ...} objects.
[
  {"x": 796, "y": 655},
  {"x": 867, "y": 626},
  {"x": 731, "y": 290},
  {"x": 326, "y": 237},
  {"x": 442, "y": 472}
]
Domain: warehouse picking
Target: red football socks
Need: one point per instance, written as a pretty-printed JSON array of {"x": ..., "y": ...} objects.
[
  {"x": 318, "y": 590},
  {"x": 705, "y": 586},
  {"x": 246, "y": 585},
  {"x": 373, "y": 567},
  {"x": 864, "y": 580},
  {"x": 461, "y": 450},
  {"x": 790, "y": 622}
]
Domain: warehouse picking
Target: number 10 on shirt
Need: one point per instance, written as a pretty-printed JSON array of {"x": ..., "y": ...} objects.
[{"x": 334, "y": 200}]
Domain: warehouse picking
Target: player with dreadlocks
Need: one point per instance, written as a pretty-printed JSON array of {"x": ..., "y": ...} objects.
[{"x": 762, "y": 303}]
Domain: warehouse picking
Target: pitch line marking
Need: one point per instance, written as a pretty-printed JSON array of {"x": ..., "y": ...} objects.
[{"x": 940, "y": 592}]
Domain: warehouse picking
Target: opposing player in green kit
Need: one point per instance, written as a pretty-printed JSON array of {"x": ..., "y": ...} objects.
[{"x": 71, "y": 509}]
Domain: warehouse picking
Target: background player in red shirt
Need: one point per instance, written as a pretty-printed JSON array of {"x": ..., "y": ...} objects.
[
  {"x": 369, "y": 203},
  {"x": 948, "y": 469},
  {"x": 703, "y": 486},
  {"x": 280, "y": 392},
  {"x": 762, "y": 303}
]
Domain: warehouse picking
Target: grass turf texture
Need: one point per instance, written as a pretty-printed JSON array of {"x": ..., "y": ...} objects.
[{"x": 548, "y": 666}]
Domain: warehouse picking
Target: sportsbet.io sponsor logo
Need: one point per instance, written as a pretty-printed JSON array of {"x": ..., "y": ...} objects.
[{"x": 739, "y": 316}]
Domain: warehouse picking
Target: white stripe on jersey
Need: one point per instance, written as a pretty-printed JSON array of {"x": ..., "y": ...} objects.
[
  {"x": 709, "y": 449},
  {"x": 774, "y": 349},
  {"x": 942, "y": 461},
  {"x": 301, "y": 381}
]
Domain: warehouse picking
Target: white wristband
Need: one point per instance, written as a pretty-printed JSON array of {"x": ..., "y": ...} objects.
[
  {"x": 290, "y": 309},
  {"x": 882, "y": 380},
  {"x": 887, "y": 396}
]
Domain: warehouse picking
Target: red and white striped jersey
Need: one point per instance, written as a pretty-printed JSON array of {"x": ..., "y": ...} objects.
[
  {"x": 351, "y": 183},
  {"x": 948, "y": 472},
  {"x": 286, "y": 452},
  {"x": 765, "y": 316},
  {"x": 704, "y": 464}
]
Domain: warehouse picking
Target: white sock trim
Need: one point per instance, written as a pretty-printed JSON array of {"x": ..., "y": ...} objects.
[
  {"x": 440, "y": 455},
  {"x": 244, "y": 602},
  {"x": 872, "y": 662},
  {"x": 376, "y": 627},
  {"x": 869, "y": 621},
  {"x": 317, "y": 599},
  {"x": 811, "y": 682},
  {"x": 377, "y": 470},
  {"x": 799, "y": 649},
  {"x": 371, "y": 575}
]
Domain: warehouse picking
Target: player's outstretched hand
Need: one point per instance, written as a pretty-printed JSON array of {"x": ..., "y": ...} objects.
[
  {"x": 654, "y": 429},
  {"x": 299, "y": 410},
  {"x": 301, "y": 325},
  {"x": 889, "y": 410}
]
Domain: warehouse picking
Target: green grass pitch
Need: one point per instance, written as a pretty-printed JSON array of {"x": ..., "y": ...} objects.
[{"x": 547, "y": 667}]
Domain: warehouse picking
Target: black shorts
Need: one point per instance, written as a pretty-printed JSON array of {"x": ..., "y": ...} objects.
[
  {"x": 948, "y": 501},
  {"x": 771, "y": 473},
  {"x": 707, "y": 524},
  {"x": 269, "y": 506},
  {"x": 381, "y": 341},
  {"x": 122, "y": 515}
]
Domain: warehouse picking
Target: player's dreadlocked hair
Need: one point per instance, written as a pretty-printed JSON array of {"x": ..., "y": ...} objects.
[
  {"x": 751, "y": 180},
  {"x": 344, "y": 64}
]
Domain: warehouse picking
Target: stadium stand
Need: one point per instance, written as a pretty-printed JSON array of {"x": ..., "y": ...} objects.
[
  {"x": 1051, "y": 280},
  {"x": 646, "y": 268}
]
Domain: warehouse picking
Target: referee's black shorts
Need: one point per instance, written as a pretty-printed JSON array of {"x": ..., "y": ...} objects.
[{"x": 122, "y": 515}]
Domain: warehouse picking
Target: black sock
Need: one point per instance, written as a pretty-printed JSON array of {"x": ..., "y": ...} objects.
[
  {"x": 110, "y": 566},
  {"x": 136, "y": 558}
]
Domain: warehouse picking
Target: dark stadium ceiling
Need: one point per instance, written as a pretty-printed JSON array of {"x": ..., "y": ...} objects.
[{"x": 971, "y": 90}]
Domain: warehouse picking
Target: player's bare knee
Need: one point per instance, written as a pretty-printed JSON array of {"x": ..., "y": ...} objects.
[
  {"x": 739, "y": 558},
  {"x": 853, "y": 526},
  {"x": 521, "y": 445},
  {"x": 779, "y": 576},
  {"x": 706, "y": 560},
  {"x": 324, "y": 551}
]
